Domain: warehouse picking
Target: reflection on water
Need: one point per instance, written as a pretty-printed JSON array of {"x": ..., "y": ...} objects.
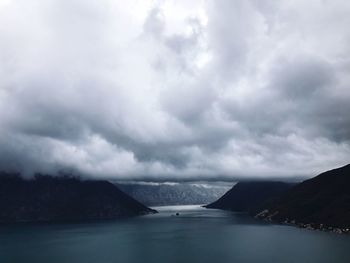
[{"x": 195, "y": 235}]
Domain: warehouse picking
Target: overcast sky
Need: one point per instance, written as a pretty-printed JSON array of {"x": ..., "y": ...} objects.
[{"x": 175, "y": 90}]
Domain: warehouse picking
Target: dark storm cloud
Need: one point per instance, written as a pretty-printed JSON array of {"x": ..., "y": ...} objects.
[{"x": 185, "y": 91}]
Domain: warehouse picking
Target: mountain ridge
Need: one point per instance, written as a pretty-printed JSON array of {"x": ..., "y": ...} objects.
[
  {"x": 248, "y": 196},
  {"x": 172, "y": 194},
  {"x": 47, "y": 199},
  {"x": 320, "y": 202}
]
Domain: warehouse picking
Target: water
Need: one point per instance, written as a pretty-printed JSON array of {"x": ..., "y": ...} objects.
[{"x": 196, "y": 235}]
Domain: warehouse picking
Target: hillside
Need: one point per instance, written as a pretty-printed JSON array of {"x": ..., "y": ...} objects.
[
  {"x": 173, "y": 194},
  {"x": 323, "y": 200},
  {"x": 249, "y": 196},
  {"x": 47, "y": 198}
]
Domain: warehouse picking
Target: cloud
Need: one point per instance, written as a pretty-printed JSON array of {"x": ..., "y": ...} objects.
[{"x": 174, "y": 90}]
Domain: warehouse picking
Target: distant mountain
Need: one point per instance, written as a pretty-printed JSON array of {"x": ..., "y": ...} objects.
[
  {"x": 249, "y": 196},
  {"x": 47, "y": 198},
  {"x": 322, "y": 200},
  {"x": 173, "y": 194}
]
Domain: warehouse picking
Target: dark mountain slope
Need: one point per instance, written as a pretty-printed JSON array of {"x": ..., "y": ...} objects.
[
  {"x": 249, "y": 196},
  {"x": 324, "y": 199},
  {"x": 48, "y": 198}
]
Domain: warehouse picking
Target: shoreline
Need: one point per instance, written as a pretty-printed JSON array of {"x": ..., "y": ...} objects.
[{"x": 309, "y": 226}]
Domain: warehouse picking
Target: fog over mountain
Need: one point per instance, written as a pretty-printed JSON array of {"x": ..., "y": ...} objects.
[
  {"x": 174, "y": 90},
  {"x": 163, "y": 194}
]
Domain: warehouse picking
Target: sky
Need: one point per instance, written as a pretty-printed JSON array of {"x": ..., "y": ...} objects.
[{"x": 175, "y": 90}]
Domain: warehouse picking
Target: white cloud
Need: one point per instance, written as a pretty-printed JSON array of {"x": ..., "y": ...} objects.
[{"x": 174, "y": 90}]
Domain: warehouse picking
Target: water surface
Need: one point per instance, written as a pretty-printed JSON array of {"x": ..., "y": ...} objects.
[{"x": 196, "y": 235}]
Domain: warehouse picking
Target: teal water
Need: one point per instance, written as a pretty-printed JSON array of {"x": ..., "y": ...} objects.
[{"x": 196, "y": 235}]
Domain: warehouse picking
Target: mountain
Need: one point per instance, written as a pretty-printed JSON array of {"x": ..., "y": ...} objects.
[
  {"x": 158, "y": 194},
  {"x": 318, "y": 202},
  {"x": 47, "y": 198},
  {"x": 249, "y": 196}
]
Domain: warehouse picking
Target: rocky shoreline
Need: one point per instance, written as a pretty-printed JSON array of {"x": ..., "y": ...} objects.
[{"x": 266, "y": 216}]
